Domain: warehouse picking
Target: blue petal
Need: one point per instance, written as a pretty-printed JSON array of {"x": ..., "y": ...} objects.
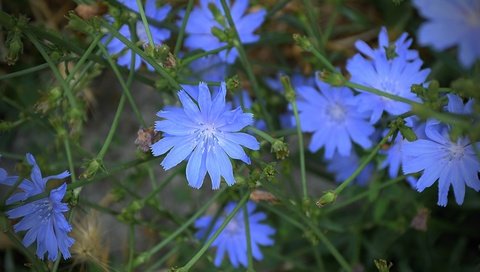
[
  {"x": 196, "y": 167},
  {"x": 177, "y": 154}
]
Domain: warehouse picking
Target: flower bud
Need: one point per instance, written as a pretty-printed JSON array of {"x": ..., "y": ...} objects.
[{"x": 327, "y": 198}]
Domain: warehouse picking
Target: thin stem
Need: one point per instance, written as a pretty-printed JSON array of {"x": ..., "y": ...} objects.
[
  {"x": 323, "y": 59},
  {"x": 145, "y": 22},
  {"x": 209, "y": 242},
  {"x": 25, "y": 71},
  {"x": 56, "y": 72},
  {"x": 364, "y": 163},
  {"x": 147, "y": 254},
  {"x": 142, "y": 54},
  {"x": 187, "y": 61},
  {"x": 360, "y": 196},
  {"x": 262, "y": 134},
  {"x": 246, "y": 64},
  {"x": 248, "y": 238},
  {"x": 83, "y": 58},
  {"x": 124, "y": 86},
  {"x": 131, "y": 246},
  {"x": 444, "y": 117},
  {"x": 300, "y": 149},
  {"x": 71, "y": 165},
  {"x": 113, "y": 128},
  {"x": 181, "y": 33}
]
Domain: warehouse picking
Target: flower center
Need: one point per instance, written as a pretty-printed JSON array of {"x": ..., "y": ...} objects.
[
  {"x": 456, "y": 151},
  {"x": 233, "y": 227},
  {"x": 336, "y": 112},
  {"x": 44, "y": 210},
  {"x": 389, "y": 86}
]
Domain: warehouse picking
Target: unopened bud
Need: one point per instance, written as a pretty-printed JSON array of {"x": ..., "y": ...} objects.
[
  {"x": 303, "y": 42},
  {"x": 334, "y": 79},
  {"x": 220, "y": 34},
  {"x": 327, "y": 198},
  {"x": 383, "y": 265},
  {"x": 280, "y": 148}
]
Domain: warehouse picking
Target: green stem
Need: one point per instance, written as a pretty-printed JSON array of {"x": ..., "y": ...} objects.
[
  {"x": 335, "y": 206},
  {"x": 147, "y": 254},
  {"x": 131, "y": 246},
  {"x": 449, "y": 118},
  {"x": 188, "y": 60},
  {"x": 301, "y": 149},
  {"x": 145, "y": 22},
  {"x": 364, "y": 163},
  {"x": 142, "y": 54},
  {"x": 113, "y": 128},
  {"x": 262, "y": 134},
  {"x": 83, "y": 58},
  {"x": 25, "y": 71},
  {"x": 246, "y": 64},
  {"x": 323, "y": 59},
  {"x": 56, "y": 72},
  {"x": 181, "y": 33},
  {"x": 210, "y": 240},
  {"x": 124, "y": 86},
  {"x": 71, "y": 165},
  {"x": 248, "y": 238}
]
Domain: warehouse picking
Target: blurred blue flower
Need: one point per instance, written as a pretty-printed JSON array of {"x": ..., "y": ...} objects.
[
  {"x": 332, "y": 116},
  {"x": 392, "y": 75},
  {"x": 202, "y": 21},
  {"x": 243, "y": 99},
  {"x": 450, "y": 23},
  {"x": 205, "y": 133},
  {"x": 209, "y": 68},
  {"x": 344, "y": 166},
  {"x": 159, "y": 35},
  {"x": 394, "y": 153},
  {"x": 401, "y": 46},
  {"x": 452, "y": 163},
  {"x": 43, "y": 219},
  {"x": 233, "y": 240}
]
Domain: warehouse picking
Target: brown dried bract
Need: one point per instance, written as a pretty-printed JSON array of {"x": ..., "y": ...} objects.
[
  {"x": 419, "y": 222},
  {"x": 90, "y": 11},
  {"x": 259, "y": 195},
  {"x": 145, "y": 137}
]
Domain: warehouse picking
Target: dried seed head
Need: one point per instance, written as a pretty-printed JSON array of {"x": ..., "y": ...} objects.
[
  {"x": 89, "y": 246},
  {"x": 145, "y": 137}
]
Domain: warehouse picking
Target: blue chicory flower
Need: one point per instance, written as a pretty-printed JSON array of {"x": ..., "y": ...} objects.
[
  {"x": 392, "y": 75},
  {"x": 243, "y": 99},
  {"x": 159, "y": 35},
  {"x": 344, "y": 166},
  {"x": 450, "y": 23},
  {"x": 202, "y": 21},
  {"x": 331, "y": 114},
  {"x": 233, "y": 240},
  {"x": 43, "y": 219},
  {"x": 452, "y": 163},
  {"x": 206, "y": 133},
  {"x": 394, "y": 153}
]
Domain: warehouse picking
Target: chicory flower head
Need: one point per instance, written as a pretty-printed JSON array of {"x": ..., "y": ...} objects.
[
  {"x": 392, "y": 74},
  {"x": 331, "y": 114},
  {"x": 43, "y": 219},
  {"x": 451, "y": 162},
  {"x": 233, "y": 239},
  {"x": 206, "y": 133},
  {"x": 210, "y": 15},
  {"x": 159, "y": 35},
  {"x": 451, "y": 23}
]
